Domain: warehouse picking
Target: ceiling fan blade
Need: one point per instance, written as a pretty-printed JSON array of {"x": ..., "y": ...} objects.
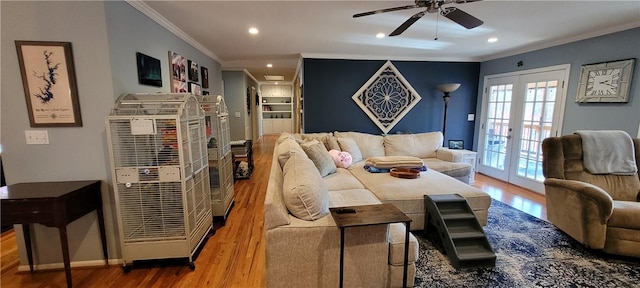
[
  {"x": 385, "y": 10},
  {"x": 463, "y": 18},
  {"x": 407, "y": 23},
  {"x": 465, "y": 1}
]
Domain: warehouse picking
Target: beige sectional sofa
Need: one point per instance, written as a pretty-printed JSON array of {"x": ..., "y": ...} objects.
[{"x": 302, "y": 240}]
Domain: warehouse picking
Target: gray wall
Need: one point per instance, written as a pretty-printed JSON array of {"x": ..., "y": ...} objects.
[
  {"x": 592, "y": 116},
  {"x": 105, "y": 37},
  {"x": 235, "y": 95}
]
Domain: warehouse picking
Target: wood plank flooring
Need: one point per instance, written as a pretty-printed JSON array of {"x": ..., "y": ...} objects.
[{"x": 233, "y": 257}]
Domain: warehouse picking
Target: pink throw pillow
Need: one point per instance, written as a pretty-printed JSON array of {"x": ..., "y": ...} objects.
[{"x": 340, "y": 158}]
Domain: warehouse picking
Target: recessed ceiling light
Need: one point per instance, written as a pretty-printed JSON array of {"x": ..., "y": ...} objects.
[
  {"x": 253, "y": 30},
  {"x": 269, "y": 65},
  {"x": 492, "y": 40},
  {"x": 380, "y": 35}
]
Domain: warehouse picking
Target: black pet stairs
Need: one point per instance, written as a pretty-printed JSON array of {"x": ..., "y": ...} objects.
[{"x": 453, "y": 228}]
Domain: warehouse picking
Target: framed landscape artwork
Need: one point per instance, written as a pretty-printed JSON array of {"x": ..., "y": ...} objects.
[
  {"x": 49, "y": 81},
  {"x": 149, "y": 71}
]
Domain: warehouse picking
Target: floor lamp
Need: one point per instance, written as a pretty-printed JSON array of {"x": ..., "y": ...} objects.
[{"x": 446, "y": 89}]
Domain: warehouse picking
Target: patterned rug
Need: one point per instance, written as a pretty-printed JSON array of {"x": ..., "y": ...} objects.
[{"x": 530, "y": 253}]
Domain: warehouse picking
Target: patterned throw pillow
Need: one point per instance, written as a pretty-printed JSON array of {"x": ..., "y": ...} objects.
[{"x": 342, "y": 159}]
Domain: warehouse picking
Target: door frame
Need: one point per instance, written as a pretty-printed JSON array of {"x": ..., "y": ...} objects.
[{"x": 558, "y": 120}]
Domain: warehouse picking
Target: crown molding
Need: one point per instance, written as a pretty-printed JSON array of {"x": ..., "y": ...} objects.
[
  {"x": 387, "y": 57},
  {"x": 164, "y": 22},
  {"x": 566, "y": 40}
]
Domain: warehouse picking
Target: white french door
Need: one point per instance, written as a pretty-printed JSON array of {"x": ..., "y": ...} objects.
[{"x": 519, "y": 111}]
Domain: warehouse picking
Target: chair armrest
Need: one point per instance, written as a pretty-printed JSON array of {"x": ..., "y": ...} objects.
[
  {"x": 449, "y": 155},
  {"x": 586, "y": 191}
]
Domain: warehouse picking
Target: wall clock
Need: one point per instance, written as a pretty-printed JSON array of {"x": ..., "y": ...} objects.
[{"x": 606, "y": 82}]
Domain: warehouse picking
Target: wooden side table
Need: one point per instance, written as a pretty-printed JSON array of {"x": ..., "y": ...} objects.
[
  {"x": 371, "y": 215},
  {"x": 53, "y": 204}
]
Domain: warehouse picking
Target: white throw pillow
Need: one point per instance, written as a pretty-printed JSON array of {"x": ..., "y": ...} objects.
[
  {"x": 320, "y": 157},
  {"x": 349, "y": 145},
  {"x": 305, "y": 193},
  {"x": 286, "y": 149}
]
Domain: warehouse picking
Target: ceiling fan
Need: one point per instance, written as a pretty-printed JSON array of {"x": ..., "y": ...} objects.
[{"x": 432, "y": 6}]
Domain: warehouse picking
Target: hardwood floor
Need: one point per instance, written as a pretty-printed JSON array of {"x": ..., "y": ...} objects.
[{"x": 233, "y": 257}]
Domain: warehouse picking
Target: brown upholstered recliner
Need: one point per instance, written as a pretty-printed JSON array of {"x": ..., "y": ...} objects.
[{"x": 601, "y": 211}]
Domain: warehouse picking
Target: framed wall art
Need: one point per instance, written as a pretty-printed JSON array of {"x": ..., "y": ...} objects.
[
  {"x": 456, "y": 144},
  {"x": 149, "y": 71},
  {"x": 205, "y": 77},
  {"x": 179, "y": 73},
  {"x": 194, "y": 88},
  {"x": 49, "y": 81},
  {"x": 606, "y": 82},
  {"x": 193, "y": 71}
]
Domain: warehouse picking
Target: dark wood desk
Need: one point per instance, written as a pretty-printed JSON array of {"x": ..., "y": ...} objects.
[
  {"x": 371, "y": 215},
  {"x": 53, "y": 204}
]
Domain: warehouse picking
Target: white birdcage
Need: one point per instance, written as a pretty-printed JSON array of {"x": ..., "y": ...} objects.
[
  {"x": 157, "y": 146},
  {"x": 220, "y": 157}
]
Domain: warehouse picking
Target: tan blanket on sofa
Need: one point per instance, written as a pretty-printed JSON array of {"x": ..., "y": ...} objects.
[{"x": 388, "y": 162}]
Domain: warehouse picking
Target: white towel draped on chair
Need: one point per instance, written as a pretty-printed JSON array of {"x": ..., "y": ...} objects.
[{"x": 608, "y": 152}]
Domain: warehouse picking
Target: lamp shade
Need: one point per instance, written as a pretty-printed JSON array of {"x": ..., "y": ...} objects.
[{"x": 448, "y": 88}]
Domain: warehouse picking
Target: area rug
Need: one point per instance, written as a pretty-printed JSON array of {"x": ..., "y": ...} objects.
[{"x": 530, "y": 253}]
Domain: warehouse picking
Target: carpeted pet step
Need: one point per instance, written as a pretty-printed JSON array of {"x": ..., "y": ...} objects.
[{"x": 452, "y": 227}]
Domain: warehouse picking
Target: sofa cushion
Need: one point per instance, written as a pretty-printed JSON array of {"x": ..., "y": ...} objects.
[
  {"x": 341, "y": 180},
  {"x": 283, "y": 136},
  {"x": 453, "y": 169},
  {"x": 397, "y": 232},
  {"x": 328, "y": 140},
  {"x": 320, "y": 157},
  {"x": 626, "y": 214},
  {"x": 422, "y": 145},
  {"x": 388, "y": 162},
  {"x": 305, "y": 194},
  {"x": 370, "y": 145},
  {"x": 286, "y": 149},
  {"x": 350, "y": 146},
  {"x": 352, "y": 197}
]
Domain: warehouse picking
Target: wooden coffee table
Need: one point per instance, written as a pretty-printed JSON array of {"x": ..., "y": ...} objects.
[{"x": 371, "y": 215}]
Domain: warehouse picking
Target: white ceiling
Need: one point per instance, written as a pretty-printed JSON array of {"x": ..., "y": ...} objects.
[{"x": 326, "y": 29}]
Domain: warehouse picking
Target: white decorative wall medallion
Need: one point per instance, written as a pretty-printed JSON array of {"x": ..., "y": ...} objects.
[{"x": 386, "y": 97}]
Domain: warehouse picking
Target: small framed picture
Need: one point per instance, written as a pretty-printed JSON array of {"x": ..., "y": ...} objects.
[
  {"x": 193, "y": 71},
  {"x": 456, "y": 144}
]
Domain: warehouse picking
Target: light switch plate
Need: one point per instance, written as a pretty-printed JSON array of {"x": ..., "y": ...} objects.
[
  {"x": 471, "y": 117},
  {"x": 37, "y": 136},
  {"x": 237, "y": 114}
]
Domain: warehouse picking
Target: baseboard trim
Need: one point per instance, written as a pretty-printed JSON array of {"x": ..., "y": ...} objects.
[{"x": 74, "y": 264}]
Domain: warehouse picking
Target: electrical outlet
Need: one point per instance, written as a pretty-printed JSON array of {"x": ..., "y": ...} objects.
[
  {"x": 471, "y": 117},
  {"x": 37, "y": 136}
]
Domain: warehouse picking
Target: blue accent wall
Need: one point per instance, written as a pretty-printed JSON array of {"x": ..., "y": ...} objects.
[{"x": 329, "y": 85}]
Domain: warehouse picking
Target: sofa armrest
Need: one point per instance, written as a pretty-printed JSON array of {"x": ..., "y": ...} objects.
[
  {"x": 580, "y": 209},
  {"x": 307, "y": 254},
  {"x": 584, "y": 191},
  {"x": 449, "y": 154}
]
